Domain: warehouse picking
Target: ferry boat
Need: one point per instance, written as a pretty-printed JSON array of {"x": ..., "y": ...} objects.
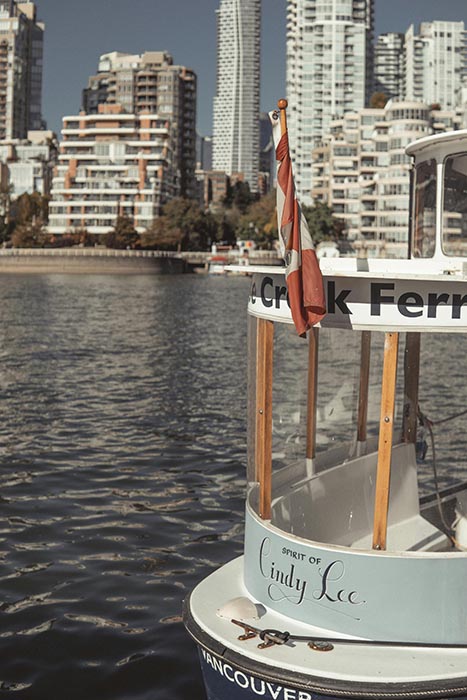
[{"x": 353, "y": 581}]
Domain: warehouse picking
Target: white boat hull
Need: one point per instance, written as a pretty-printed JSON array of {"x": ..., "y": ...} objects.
[{"x": 238, "y": 670}]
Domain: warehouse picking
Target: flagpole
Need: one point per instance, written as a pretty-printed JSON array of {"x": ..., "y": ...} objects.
[
  {"x": 282, "y": 105},
  {"x": 383, "y": 472}
]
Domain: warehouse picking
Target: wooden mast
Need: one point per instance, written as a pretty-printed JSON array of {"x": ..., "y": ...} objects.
[
  {"x": 264, "y": 366},
  {"x": 312, "y": 395},
  {"x": 386, "y": 426}
]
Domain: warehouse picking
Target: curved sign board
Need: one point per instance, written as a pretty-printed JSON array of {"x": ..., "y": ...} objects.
[{"x": 366, "y": 301}]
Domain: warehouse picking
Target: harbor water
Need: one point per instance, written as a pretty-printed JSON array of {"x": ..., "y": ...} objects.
[
  {"x": 122, "y": 439},
  {"x": 122, "y": 479}
]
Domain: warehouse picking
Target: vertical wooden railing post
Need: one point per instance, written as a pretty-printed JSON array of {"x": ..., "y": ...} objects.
[
  {"x": 386, "y": 427},
  {"x": 312, "y": 393},
  {"x": 264, "y": 365},
  {"x": 411, "y": 382},
  {"x": 364, "y": 387}
]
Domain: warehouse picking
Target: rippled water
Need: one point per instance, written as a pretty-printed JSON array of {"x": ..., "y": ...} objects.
[
  {"x": 122, "y": 452},
  {"x": 122, "y": 434}
]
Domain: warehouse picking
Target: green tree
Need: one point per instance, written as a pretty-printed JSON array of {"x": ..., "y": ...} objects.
[
  {"x": 182, "y": 226},
  {"x": 378, "y": 100},
  {"x": 123, "y": 235},
  {"x": 259, "y": 222},
  {"x": 30, "y": 214},
  {"x": 30, "y": 208},
  {"x": 239, "y": 195},
  {"x": 29, "y": 235},
  {"x": 322, "y": 224}
]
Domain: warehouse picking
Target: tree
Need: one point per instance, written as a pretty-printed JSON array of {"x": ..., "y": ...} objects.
[
  {"x": 259, "y": 222},
  {"x": 123, "y": 235},
  {"x": 378, "y": 100},
  {"x": 239, "y": 195},
  {"x": 30, "y": 214},
  {"x": 322, "y": 224},
  {"x": 30, "y": 208},
  {"x": 182, "y": 226},
  {"x": 29, "y": 235}
]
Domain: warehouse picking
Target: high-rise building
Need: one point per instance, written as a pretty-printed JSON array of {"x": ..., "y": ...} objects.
[
  {"x": 436, "y": 63},
  {"x": 362, "y": 171},
  {"x": 21, "y": 50},
  {"x": 329, "y": 72},
  {"x": 389, "y": 65},
  {"x": 236, "y": 103},
  {"x": 151, "y": 82},
  {"x": 111, "y": 163}
]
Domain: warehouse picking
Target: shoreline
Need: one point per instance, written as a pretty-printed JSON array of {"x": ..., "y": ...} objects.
[
  {"x": 89, "y": 261},
  {"x": 109, "y": 261}
]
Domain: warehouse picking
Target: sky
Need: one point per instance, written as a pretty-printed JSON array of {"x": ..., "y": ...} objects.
[{"x": 78, "y": 32}]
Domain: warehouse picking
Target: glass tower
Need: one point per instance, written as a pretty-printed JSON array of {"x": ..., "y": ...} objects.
[
  {"x": 236, "y": 103},
  {"x": 329, "y": 72}
]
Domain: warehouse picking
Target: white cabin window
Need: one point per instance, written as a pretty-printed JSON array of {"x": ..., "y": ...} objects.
[
  {"x": 424, "y": 224},
  {"x": 455, "y": 206}
]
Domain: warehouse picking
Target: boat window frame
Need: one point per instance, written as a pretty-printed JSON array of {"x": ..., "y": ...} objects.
[
  {"x": 416, "y": 251},
  {"x": 444, "y": 247}
]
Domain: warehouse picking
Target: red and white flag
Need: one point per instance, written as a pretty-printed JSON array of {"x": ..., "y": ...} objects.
[{"x": 302, "y": 272}]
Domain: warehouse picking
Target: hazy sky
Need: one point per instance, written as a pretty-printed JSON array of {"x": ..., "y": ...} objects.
[{"x": 77, "y": 32}]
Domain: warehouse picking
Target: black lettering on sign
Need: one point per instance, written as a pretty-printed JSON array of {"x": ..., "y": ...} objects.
[
  {"x": 377, "y": 298},
  {"x": 338, "y": 301},
  {"x": 267, "y": 301},
  {"x": 410, "y": 299}
]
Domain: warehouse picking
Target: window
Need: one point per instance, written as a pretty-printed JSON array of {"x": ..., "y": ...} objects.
[
  {"x": 455, "y": 205},
  {"x": 424, "y": 210}
]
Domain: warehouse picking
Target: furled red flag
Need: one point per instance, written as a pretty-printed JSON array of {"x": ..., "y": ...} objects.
[{"x": 302, "y": 272}]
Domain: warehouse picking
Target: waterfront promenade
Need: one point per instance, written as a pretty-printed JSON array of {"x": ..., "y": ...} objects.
[{"x": 105, "y": 260}]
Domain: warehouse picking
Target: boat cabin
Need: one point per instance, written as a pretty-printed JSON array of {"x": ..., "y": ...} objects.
[{"x": 357, "y": 477}]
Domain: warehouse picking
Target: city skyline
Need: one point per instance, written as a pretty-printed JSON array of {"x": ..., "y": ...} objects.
[{"x": 74, "y": 38}]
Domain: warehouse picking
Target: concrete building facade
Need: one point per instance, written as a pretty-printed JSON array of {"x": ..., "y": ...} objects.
[
  {"x": 29, "y": 163},
  {"x": 21, "y": 52},
  {"x": 112, "y": 164},
  {"x": 236, "y": 103},
  {"x": 329, "y": 72},
  {"x": 151, "y": 82},
  {"x": 389, "y": 65},
  {"x": 436, "y": 63},
  {"x": 362, "y": 172}
]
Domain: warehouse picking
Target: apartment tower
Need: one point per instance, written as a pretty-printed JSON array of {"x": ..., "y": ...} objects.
[
  {"x": 111, "y": 164},
  {"x": 389, "y": 65},
  {"x": 329, "y": 72},
  {"x": 436, "y": 63},
  {"x": 151, "y": 82},
  {"x": 236, "y": 103},
  {"x": 21, "y": 50}
]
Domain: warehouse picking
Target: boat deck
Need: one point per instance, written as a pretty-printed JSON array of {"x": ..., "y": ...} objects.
[{"x": 347, "y": 663}]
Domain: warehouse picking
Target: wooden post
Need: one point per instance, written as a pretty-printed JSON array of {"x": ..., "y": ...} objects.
[
  {"x": 364, "y": 386},
  {"x": 386, "y": 426},
  {"x": 282, "y": 104},
  {"x": 312, "y": 393},
  {"x": 411, "y": 382},
  {"x": 264, "y": 364}
]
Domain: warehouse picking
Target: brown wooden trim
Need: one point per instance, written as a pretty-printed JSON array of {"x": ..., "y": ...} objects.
[
  {"x": 411, "y": 384},
  {"x": 365, "y": 353},
  {"x": 386, "y": 426},
  {"x": 312, "y": 394},
  {"x": 264, "y": 367}
]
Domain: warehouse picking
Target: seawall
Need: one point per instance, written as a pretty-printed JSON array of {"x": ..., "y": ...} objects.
[{"x": 89, "y": 261}]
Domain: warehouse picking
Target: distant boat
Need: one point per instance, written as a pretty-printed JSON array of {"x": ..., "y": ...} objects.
[
  {"x": 351, "y": 584},
  {"x": 217, "y": 264}
]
